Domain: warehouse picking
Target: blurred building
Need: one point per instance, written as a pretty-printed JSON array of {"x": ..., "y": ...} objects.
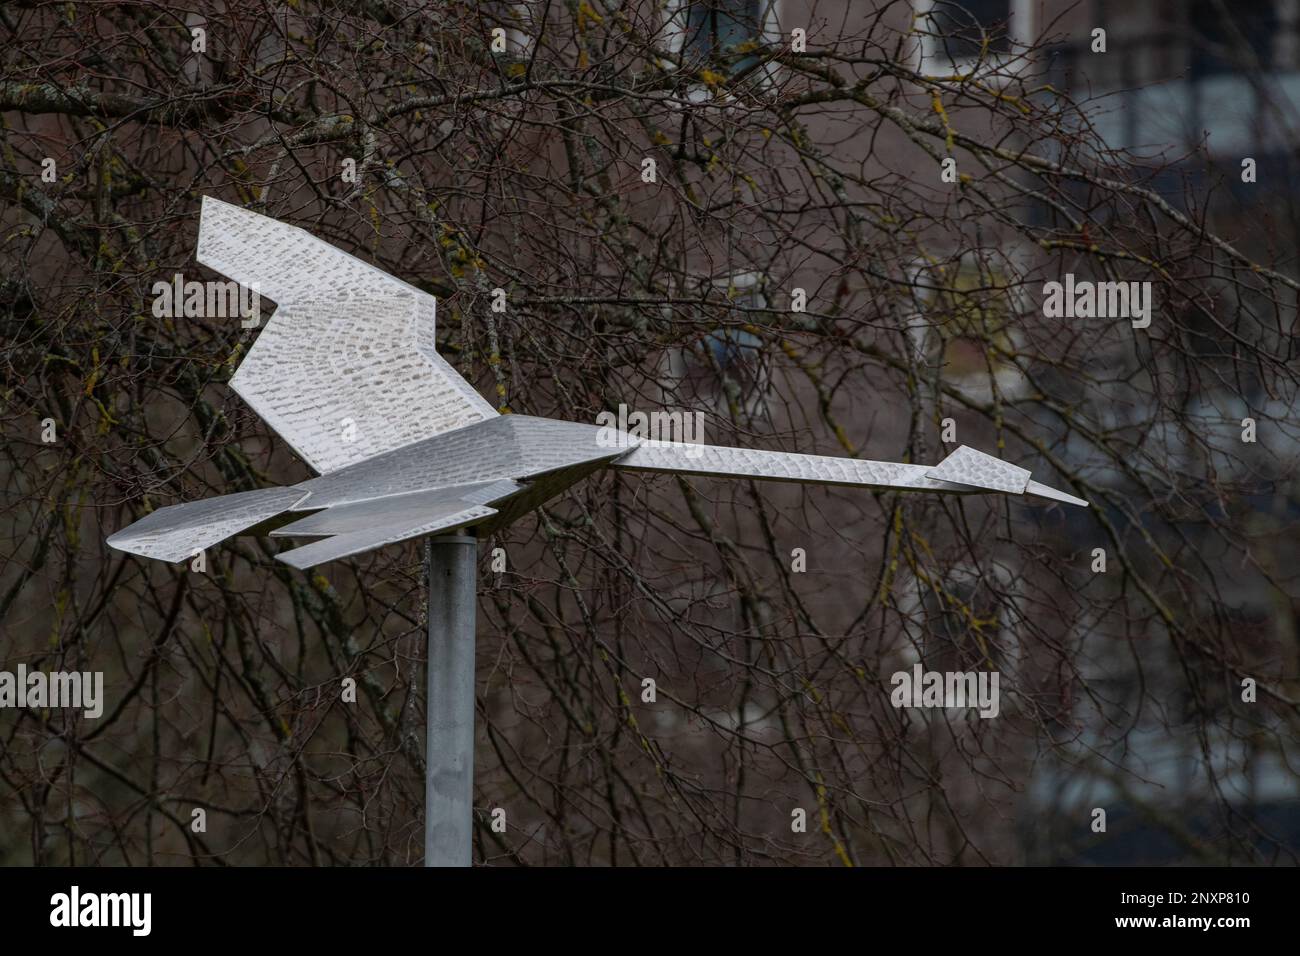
[{"x": 1195, "y": 96}]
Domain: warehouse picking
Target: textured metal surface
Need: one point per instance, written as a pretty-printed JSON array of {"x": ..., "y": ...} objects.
[
  {"x": 1038, "y": 490},
  {"x": 347, "y": 372},
  {"x": 515, "y": 464},
  {"x": 514, "y": 447},
  {"x": 536, "y": 492},
  {"x": 347, "y": 367},
  {"x": 363, "y": 525},
  {"x": 396, "y": 509},
  {"x": 444, "y": 517},
  {"x": 436, "y": 483},
  {"x": 176, "y": 532},
  {"x": 966, "y": 466},
  {"x": 683, "y": 459}
]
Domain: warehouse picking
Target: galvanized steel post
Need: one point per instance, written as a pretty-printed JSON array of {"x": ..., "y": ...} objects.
[{"x": 452, "y": 561}]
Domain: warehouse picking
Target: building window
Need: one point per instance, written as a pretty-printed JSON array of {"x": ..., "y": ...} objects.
[
  {"x": 1235, "y": 37},
  {"x": 715, "y": 28},
  {"x": 722, "y": 35},
  {"x": 965, "y": 28},
  {"x": 964, "y": 37}
]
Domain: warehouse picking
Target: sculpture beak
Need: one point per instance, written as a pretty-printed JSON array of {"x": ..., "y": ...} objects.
[
  {"x": 1043, "y": 491},
  {"x": 976, "y": 469}
]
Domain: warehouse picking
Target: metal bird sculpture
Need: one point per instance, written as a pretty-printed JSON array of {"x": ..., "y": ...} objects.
[{"x": 347, "y": 372}]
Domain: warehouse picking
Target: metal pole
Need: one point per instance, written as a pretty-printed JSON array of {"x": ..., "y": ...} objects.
[{"x": 449, "y": 735}]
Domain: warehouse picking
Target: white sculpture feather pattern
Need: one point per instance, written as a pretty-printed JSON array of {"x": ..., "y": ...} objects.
[{"x": 347, "y": 367}]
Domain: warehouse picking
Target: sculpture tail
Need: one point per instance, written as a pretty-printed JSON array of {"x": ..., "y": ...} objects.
[{"x": 178, "y": 532}]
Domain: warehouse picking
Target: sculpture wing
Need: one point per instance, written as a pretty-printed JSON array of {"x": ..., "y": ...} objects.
[
  {"x": 347, "y": 367},
  {"x": 180, "y": 531}
]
